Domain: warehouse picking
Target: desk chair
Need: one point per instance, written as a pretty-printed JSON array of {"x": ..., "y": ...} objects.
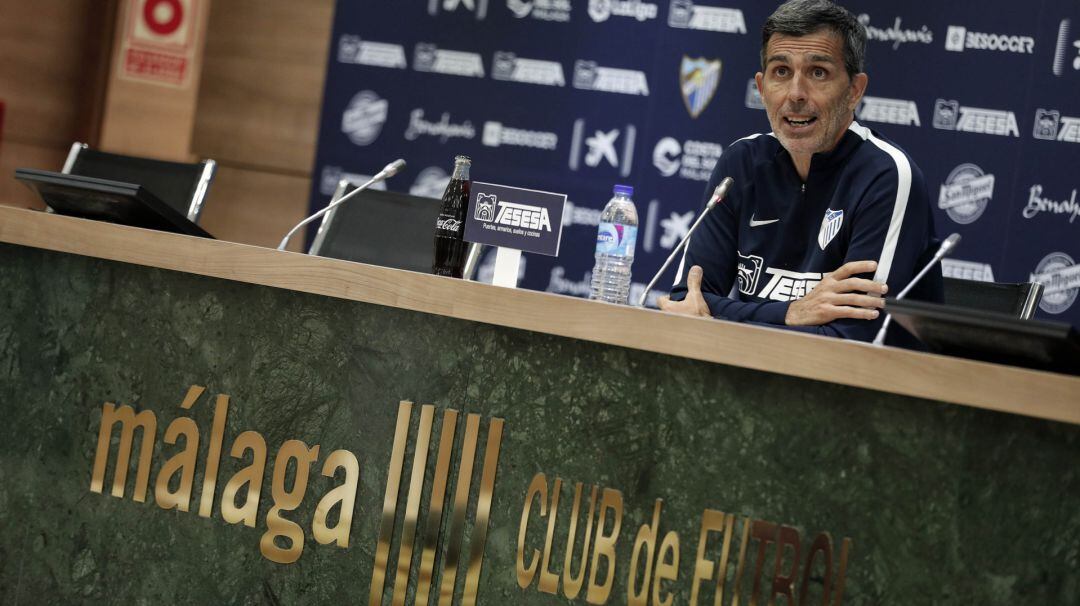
[
  {"x": 1017, "y": 300},
  {"x": 181, "y": 185}
]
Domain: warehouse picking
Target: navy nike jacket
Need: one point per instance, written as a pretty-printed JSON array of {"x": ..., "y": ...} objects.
[{"x": 772, "y": 239}]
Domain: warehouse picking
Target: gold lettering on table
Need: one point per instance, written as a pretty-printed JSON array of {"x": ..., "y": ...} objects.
[
  {"x": 283, "y": 541},
  {"x": 646, "y": 538},
  {"x": 287, "y": 500},
  {"x": 250, "y": 476},
  {"x": 129, "y": 422},
  {"x": 598, "y": 593},
  {"x": 526, "y": 572},
  {"x": 549, "y": 581},
  {"x": 572, "y": 584},
  {"x": 436, "y": 506}
]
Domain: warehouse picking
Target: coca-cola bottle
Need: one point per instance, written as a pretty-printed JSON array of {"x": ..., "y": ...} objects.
[{"x": 450, "y": 245}]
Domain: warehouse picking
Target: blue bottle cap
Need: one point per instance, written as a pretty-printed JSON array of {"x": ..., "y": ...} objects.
[{"x": 626, "y": 190}]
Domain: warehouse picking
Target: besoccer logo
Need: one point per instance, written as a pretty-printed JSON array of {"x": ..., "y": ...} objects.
[{"x": 485, "y": 207}]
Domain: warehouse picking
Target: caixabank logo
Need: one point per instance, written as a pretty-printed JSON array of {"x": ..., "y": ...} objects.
[{"x": 600, "y": 147}]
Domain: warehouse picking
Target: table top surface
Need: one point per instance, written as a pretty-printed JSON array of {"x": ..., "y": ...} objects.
[{"x": 935, "y": 377}]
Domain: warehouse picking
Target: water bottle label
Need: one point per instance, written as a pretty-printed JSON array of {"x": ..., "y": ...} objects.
[{"x": 616, "y": 239}]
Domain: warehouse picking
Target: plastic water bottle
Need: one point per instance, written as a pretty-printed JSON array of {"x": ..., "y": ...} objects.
[{"x": 615, "y": 241}]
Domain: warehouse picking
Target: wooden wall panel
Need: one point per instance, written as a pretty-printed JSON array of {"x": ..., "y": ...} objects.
[
  {"x": 25, "y": 155},
  {"x": 255, "y": 207},
  {"x": 262, "y": 83}
]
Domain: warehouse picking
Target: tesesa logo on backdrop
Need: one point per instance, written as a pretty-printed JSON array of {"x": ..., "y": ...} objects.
[
  {"x": 1050, "y": 125},
  {"x": 896, "y": 33},
  {"x": 684, "y": 14},
  {"x": 364, "y": 117},
  {"x": 950, "y": 115},
  {"x": 1060, "y": 277},
  {"x": 352, "y": 49},
  {"x": 429, "y": 58},
  {"x": 958, "y": 38},
  {"x": 692, "y": 160},
  {"x": 1065, "y": 48},
  {"x": 478, "y": 7},
  {"x": 444, "y": 129},
  {"x": 603, "y": 147},
  {"x": 601, "y": 10},
  {"x": 967, "y": 270},
  {"x": 965, "y": 194},
  {"x": 590, "y": 76},
  {"x": 1038, "y": 204},
  {"x": 698, "y": 79},
  {"x": 509, "y": 67},
  {"x": 543, "y": 10},
  {"x": 497, "y": 134},
  {"x": 889, "y": 111}
]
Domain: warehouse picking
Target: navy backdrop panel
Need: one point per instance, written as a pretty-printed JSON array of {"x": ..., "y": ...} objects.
[{"x": 574, "y": 96}]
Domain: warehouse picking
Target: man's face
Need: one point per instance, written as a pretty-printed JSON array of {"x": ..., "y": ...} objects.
[{"x": 808, "y": 95}]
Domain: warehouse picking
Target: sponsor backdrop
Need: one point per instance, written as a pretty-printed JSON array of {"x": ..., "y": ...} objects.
[{"x": 574, "y": 96}]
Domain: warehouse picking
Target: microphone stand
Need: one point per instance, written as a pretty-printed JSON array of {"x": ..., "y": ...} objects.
[
  {"x": 946, "y": 247},
  {"x": 718, "y": 195},
  {"x": 387, "y": 172}
]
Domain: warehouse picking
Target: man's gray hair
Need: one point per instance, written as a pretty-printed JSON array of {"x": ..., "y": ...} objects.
[{"x": 804, "y": 17}]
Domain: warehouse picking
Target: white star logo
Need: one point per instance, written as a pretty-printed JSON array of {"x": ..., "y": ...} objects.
[
  {"x": 675, "y": 228},
  {"x": 602, "y": 145}
]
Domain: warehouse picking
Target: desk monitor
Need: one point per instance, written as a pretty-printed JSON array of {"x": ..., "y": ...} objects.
[
  {"x": 990, "y": 336},
  {"x": 104, "y": 200}
]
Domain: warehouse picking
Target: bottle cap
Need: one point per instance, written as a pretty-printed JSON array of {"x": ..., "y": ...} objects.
[
  {"x": 626, "y": 190},
  {"x": 460, "y": 159}
]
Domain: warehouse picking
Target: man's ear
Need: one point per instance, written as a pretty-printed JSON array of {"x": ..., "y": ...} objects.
[
  {"x": 859, "y": 83},
  {"x": 759, "y": 79}
]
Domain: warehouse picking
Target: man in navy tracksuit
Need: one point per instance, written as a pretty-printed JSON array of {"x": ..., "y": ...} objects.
[{"x": 825, "y": 215}]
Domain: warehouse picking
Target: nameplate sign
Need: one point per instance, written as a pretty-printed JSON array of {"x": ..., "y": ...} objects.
[{"x": 511, "y": 217}]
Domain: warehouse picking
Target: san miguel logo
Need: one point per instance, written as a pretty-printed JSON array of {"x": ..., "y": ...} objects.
[{"x": 698, "y": 79}]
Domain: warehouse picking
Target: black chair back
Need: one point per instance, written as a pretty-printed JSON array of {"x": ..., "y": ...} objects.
[
  {"x": 380, "y": 228},
  {"x": 181, "y": 185},
  {"x": 1017, "y": 300}
]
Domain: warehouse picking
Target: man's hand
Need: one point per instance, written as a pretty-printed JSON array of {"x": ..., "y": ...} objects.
[
  {"x": 838, "y": 296},
  {"x": 694, "y": 304}
]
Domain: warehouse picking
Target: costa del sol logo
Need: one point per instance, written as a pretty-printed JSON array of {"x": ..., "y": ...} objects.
[
  {"x": 966, "y": 193},
  {"x": 698, "y": 79},
  {"x": 685, "y": 14},
  {"x": 364, "y": 117},
  {"x": 691, "y": 160},
  {"x": 1060, "y": 277},
  {"x": 950, "y": 115}
]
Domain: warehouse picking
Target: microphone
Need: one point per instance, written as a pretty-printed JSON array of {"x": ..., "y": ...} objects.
[
  {"x": 388, "y": 171},
  {"x": 718, "y": 194},
  {"x": 946, "y": 247}
]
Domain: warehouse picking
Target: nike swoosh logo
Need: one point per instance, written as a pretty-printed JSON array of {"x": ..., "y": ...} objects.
[{"x": 754, "y": 223}]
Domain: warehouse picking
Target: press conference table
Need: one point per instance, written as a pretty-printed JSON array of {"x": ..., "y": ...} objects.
[{"x": 775, "y": 462}]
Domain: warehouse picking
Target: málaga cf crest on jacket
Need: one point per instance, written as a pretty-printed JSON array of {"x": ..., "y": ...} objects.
[{"x": 772, "y": 239}]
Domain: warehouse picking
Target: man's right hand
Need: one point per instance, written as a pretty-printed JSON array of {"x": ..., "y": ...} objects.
[
  {"x": 838, "y": 295},
  {"x": 694, "y": 304}
]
